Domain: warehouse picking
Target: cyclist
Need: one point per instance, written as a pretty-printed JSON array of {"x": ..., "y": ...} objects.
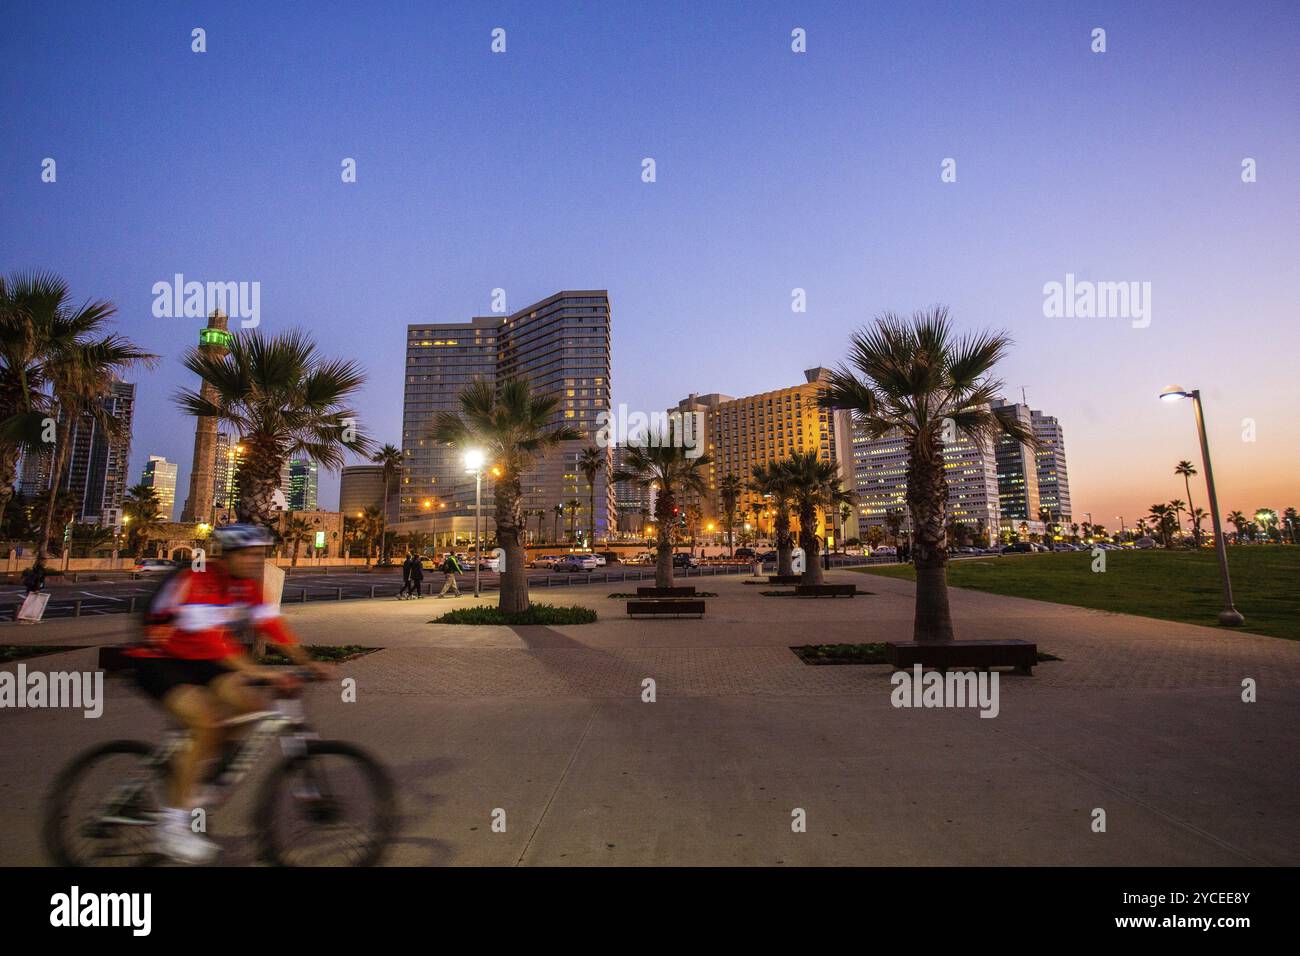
[{"x": 193, "y": 662}]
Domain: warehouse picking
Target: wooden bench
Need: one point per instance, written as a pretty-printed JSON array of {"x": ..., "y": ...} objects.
[
  {"x": 945, "y": 655},
  {"x": 687, "y": 590},
  {"x": 825, "y": 590},
  {"x": 784, "y": 578},
  {"x": 665, "y": 608}
]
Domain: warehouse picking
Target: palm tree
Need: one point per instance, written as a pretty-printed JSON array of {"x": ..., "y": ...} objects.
[
  {"x": 1177, "y": 506},
  {"x": 1238, "y": 521},
  {"x": 1187, "y": 470},
  {"x": 540, "y": 515},
  {"x": 296, "y": 531},
  {"x": 285, "y": 401},
  {"x": 513, "y": 427},
  {"x": 142, "y": 516},
  {"x": 667, "y": 467},
  {"x": 592, "y": 462},
  {"x": 757, "y": 509},
  {"x": 846, "y": 512},
  {"x": 58, "y": 508},
  {"x": 814, "y": 486},
  {"x": 771, "y": 481},
  {"x": 555, "y": 525},
  {"x": 573, "y": 506},
  {"x": 389, "y": 458},
  {"x": 1162, "y": 514},
  {"x": 911, "y": 377},
  {"x": 370, "y": 524},
  {"x": 729, "y": 489}
]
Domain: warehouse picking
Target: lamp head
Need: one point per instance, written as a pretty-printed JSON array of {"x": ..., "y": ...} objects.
[
  {"x": 473, "y": 460},
  {"x": 1172, "y": 393}
]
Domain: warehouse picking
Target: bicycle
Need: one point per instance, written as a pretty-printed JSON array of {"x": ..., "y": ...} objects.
[{"x": 118, "y": 831}]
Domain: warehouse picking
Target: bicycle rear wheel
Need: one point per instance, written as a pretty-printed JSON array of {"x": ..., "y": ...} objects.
[
  {"x": 102, "y": 808},
  {"x": 332, "y": 805}
]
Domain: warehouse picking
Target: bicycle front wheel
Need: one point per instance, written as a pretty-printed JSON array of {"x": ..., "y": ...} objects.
[
  {"x": 102, "y": 810},
  {"x": 332, "y": 805}
]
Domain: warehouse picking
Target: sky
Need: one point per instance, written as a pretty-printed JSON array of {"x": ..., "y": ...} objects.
[{"x": 774, "y": 171}]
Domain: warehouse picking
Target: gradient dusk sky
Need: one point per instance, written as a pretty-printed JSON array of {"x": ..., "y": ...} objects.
[{"x": 775, "y": 170}]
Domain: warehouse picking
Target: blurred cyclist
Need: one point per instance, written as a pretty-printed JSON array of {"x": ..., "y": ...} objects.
[{"x": 193, "y": 662}]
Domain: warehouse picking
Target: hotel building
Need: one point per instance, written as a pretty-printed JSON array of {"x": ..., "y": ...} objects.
[
  {"x": 160, "y": 475},
  {"x": 1018, "y": 475},
  {"x": 1053, "y": 474},
  {"x": 561, "y": 345}
]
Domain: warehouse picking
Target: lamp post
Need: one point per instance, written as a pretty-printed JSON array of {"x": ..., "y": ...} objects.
[
  {"x": 1120, "y": 518},
  {"x": 1229, "y": 616},
  {"x": 474, "y": 466}
]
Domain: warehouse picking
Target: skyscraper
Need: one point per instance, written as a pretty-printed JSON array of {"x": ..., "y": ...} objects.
[
  {"x": 561, "y": 345},
  {"x": 160, "y": 475},
  {"x": 298, "y": 482},
  {"x": 1017, "y": 472},
  {"x": 96, "y": 472},
  {"x": 214, "y": 340},
  {"x": 1053, "y": 474}
]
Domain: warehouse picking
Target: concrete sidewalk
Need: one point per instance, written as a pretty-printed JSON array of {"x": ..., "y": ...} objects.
[{"x": 1142, "y": 718}]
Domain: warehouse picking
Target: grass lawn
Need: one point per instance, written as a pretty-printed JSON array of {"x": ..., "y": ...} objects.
[{"x": 1173, "y": 585}]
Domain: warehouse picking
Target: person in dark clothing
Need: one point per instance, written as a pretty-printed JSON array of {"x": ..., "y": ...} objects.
[
  {"x": 406, "y": 577},
  {"x": 417, "y": 577},
  {"x": 34, "y": 578}
]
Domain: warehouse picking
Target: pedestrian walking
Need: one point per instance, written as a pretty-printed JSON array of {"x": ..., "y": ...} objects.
[
  {"x": 417, "y": 577},
  {"x": 450, "y": 568},
  {"x": 405, "y": 591}
]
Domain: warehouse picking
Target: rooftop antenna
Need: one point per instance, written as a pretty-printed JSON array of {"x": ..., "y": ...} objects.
[{"x": 1023, "y": 400}]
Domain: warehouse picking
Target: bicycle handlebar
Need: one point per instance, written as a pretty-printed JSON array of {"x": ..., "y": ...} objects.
[{"x": 300, "y": 673}]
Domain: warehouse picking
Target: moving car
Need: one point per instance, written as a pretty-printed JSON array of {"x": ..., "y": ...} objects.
[
  {"x": 544, "y": 561},
  {"x": 575, "y": 562},
  {"x": 156, "y": 565},
  {"x": 683, "y": 560},
  {"x": 1020, "y": 547}
]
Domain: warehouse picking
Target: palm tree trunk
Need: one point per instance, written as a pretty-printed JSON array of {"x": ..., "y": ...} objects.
[
  {"x": 8, "y": 476},
  {"x": 383, "y": 527},
  {"x": 927, "y": 496},
  {"x": 592, "y": 505},
  {"x": 808, "y": 541},
  {"x": 62, "y": 449},
  {"x": 784, "y": 544},
  {"x": 513, "y": 595},
  {"x": 664, "y": 540}
]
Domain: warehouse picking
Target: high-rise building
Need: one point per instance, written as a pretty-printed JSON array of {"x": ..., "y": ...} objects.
[
  {"x": 96, "y": 473},
  {"x": 361, "y": 487},
  {"x": 561, "y": 345},
  {"x": 298, "y": 483},
  {"x": 160, "y": 475},
  {"x": 880, "y": 478},
  {"x": 214, "y": 339},
  {"x": 742, "y": 433},
  {"x": 227, "y": 456},
  {"x": 630, "y": 499},
  {"x": 1053, "y": 474},
  {"x": 1017, "y": 471}
]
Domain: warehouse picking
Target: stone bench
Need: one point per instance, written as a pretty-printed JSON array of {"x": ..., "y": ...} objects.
[
  {"x": 665, "y": 609},
  {"x": 825, "y": 590},
  {"x": 949, "y": 655},
  {"x": 684, "y": 591}
]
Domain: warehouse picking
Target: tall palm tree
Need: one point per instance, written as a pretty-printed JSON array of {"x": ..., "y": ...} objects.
[
  {"x": 667, "y": 467},
  {"x": 1177, "y": 506},
  {"x": 573, "y": 506},
  {"x": 296, "y": 531},
  {"x": 771, "y": 481},
  {"x": 1238, "y": 521},
  {"x": 757, "y": 509},
  {"x": 285, "y": 401},
  {"x": 555, "y": 525},
  {"x": 592, "y": 462},
  {"x": 1187, "y": 470},
  {"x": 910, "y": 377},
  {"x": 58, "y": 507},
  {"x": 389, "y": 458},
  {"x": 729, "y": 489},
  {"x": 814, "y": 486},
  {"x": 513, "y": 427},
  {"x": 370, "y": 524},
  {"x": 142, "y": 515}
]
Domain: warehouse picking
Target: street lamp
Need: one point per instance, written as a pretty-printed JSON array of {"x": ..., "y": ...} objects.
[
  {"x": 1229, "y": 616},
  {"x": 1120, "y": 519},
  {"x": 474, "y": 459}
]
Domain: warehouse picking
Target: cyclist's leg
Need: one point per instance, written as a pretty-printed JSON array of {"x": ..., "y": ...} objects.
[
  {"x": 235, "y": 697},
  {"x": 197, "y": 709}
]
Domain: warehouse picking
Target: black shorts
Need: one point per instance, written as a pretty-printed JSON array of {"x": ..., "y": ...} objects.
[{"x": 158, "y": 675}]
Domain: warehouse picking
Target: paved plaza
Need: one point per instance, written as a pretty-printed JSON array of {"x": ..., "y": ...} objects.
[{"x": 1142, "y": 718}]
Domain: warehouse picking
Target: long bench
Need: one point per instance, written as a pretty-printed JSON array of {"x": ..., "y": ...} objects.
[
  {"x": 784, "y": 578},
  {"x": 825, "y": 590},
  {"x": 945, "y": 655},
  {"x": 686, "y": 590},
  {"x": 665, "y": 609}
]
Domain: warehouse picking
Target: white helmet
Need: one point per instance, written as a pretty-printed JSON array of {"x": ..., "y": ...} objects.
[{"x": 232, "y": 537}]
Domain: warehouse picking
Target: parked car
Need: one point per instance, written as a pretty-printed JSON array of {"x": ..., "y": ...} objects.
[
  {"x": 885, "y": 549},
  {"x": 683, "y": 559},
  {"x": 745, "y": 554},
  {"x": 156, "y": 565},
  {"x": 543, "y": 561},
  {"x": 1020, "y": 547},
  {"x": 575, "y": 562},
  {"x": 599, "y": 559},
  {"x": 609, "y": 557},
  {"x": 490, "y": 562},
  {"x": 767, "y": 556}
]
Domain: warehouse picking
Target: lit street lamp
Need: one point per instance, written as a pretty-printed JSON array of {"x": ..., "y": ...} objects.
[
  {"x": 1229, "y": 616},
  {"x": 474, "y": 466}
]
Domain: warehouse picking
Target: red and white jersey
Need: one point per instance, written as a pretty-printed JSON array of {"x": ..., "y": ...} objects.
[{"x": 199, "y": 615}]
